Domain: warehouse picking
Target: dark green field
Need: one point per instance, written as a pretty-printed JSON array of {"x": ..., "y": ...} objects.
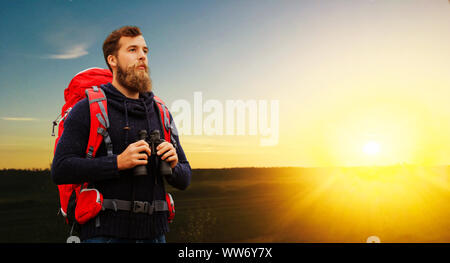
[{"x": 397, "y": 204}]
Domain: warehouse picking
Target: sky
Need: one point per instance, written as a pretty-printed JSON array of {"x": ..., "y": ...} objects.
[{"x": 342, "y": 75}]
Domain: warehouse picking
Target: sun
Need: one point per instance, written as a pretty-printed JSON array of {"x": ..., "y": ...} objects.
[{"x": 371, "y": 148}]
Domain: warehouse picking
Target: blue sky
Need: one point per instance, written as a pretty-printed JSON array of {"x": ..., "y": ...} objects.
[
  {"x": 315, "y": 57},
  {"x": 45, "y": 43}
]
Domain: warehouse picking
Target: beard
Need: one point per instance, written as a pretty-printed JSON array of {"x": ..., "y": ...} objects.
[{"x": 134, "y": 79}]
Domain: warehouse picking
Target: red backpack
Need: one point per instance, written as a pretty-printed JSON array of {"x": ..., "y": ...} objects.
[{"x": 86, "y": 84}]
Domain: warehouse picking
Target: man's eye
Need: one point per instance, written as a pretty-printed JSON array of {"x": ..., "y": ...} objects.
[{"x": 132, "y": 49}]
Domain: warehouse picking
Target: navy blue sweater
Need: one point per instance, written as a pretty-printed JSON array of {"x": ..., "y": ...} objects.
[{"x": 70, "y": 165}]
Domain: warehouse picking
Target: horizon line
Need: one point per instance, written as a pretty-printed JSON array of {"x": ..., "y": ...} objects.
[{"x": 271, "y": 167}]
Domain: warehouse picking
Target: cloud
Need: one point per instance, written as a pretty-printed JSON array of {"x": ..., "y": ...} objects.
[
  {"x": 74, "y": 52},
  {"x": 18, "y": 119}
]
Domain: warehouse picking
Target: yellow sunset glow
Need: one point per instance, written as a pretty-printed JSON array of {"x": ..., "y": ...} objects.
[{"x": 371, "y": 148}]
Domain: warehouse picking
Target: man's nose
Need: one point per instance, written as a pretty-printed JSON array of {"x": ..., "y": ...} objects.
[{"x": 142, "y": 55}]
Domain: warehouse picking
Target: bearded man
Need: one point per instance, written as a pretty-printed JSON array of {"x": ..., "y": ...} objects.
[{"x": 131, "y": 108}]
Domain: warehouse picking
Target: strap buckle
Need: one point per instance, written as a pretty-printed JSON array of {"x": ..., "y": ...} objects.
[{"x": 140, "y": 207}]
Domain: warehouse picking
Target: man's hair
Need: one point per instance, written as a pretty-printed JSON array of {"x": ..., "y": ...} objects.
[{"x": 111, "y": 44}]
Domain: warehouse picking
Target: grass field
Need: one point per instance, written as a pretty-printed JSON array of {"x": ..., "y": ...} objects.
[{"x": 396, "y": 204}]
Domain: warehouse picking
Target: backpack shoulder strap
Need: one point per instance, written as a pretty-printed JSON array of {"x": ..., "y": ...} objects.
[
  {"x": 99, "y": 122},
  {"x": 164, "y": 118}
]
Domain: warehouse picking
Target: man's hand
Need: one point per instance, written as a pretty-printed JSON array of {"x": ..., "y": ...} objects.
[
  {"x": 168, "y": 152},
  {"x": 134, "y": 155}
]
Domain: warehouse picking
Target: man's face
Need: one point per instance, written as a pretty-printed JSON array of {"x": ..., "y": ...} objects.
[{"x": 132, "y": 64}]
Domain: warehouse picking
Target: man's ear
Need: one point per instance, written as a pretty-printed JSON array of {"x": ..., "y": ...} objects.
[{"x": 112, "y": 61}]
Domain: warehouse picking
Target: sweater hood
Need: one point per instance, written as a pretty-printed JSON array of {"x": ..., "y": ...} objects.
[
  {"x": 127, "y": 105},
  {"x": 142, "y": 107}
]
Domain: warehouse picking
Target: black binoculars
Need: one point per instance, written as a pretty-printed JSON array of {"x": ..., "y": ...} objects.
[{"x": 153, "y": 140}]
